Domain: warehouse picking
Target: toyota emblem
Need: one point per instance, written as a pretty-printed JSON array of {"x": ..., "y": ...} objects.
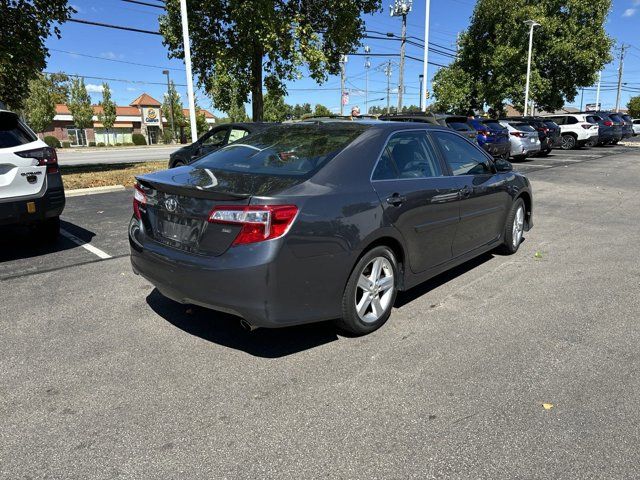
[{"x": 171, "y": 204}]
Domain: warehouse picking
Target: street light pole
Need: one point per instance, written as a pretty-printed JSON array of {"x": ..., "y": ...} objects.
[
  {"x": 421, "y": 77},
  {"x": 170, "y": 99},
  {"x": 598, "y": 91},
  {"x": 423, "y": 90},
  {"x": 343, "y": 65},
  {"x": 622, "y": 48},
  {"x": 531, "y": 23},
  {"x": 367, "y": 65},
  {"x": 187, "y": 64}
]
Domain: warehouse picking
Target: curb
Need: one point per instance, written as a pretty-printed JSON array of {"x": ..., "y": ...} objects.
[{"x": 93, "y": 190}]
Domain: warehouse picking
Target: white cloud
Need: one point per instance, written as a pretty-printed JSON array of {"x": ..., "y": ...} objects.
[
  {"x": 636, "y": 3},
  {"x": 132, "y": 89},
  {"x": 112, "y": 55},
  {"x": 93, "y": 88},
  {"x": 629, "y": 12}
]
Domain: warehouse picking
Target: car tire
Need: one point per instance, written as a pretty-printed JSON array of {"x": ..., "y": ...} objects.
[
  {"x": 544, "y": 153},
  {"x": 48, "y": 230},
  {"x": 569, "y": 142},
  {"x": 519, "y": 158},
  {"x": 179, "y": 163},
  {"x": 513, "y": 228},
  {"x": 368, "y": 298}
]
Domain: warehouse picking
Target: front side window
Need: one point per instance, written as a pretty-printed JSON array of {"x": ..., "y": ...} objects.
[
  {"x": 407, "y": 155},
  {"x": 216, "y": 138},
  {"x": 463, "y": 157},
  {"x": 237, "y": 134},
  {"x": 291, "y": 150}
]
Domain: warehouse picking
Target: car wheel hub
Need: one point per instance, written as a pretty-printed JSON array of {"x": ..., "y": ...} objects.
[
  {"x": 518, "y": 227},
  {"x": 374, "y": 290}
]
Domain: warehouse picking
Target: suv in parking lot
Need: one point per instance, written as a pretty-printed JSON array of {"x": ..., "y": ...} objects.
[
  {"x": 576, "y": 131},
  {"x": 636, "y": 126},
  {"x": 548, "y": 132},
  {"x": 31, "y": 190},
  {"x": 609, "y": 131},
  {"x": 523, "y": 138},
  {"x": 627, "y": 129},
  {"x": 454, "y": 122},
  {"x": 492, "y": 136}
]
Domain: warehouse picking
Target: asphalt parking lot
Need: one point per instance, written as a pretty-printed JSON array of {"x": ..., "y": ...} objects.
[{"x": 102, "y": 377}]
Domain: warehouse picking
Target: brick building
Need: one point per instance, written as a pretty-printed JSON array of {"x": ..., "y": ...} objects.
[{"x": 144, "y": 115}]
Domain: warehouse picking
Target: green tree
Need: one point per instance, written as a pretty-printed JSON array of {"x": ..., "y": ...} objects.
[
  {"x": 80, "y": 104},
  {"x": 569, "y": 48},
  {"x": 59, "y": 87},
  {"x": 299, "y": 111},
  {"x": 248, "y": 45},
  {"x": 275, "y": 108},
  {"x": 634, "y": 106},
  {"x": 40, "y": 105},
  {"x": 201, "y": 123},
  {"x": 172, "y": 101},
  {"x": 107, "y": 116},
  {"x": 452, "y": 90},
  {"x": 25, "y": 25},
  {"x": 236, "y": 111},
  {"x": 321, "y": 111}
]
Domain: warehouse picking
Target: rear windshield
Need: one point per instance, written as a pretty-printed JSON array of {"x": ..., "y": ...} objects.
[
  {"x": 593, "y": 118},
  {"x": 460, "y": 127},
  {"x": 615, "y": 118},
  {"x": 291, "y": 150},
  {"x": 627, "y": 118},
  {"x": 493, "y": 125},
  {"x": 523, "y": 127},
  {"x": 550, "y": 124},
  {"x": 13, "y": 132}
]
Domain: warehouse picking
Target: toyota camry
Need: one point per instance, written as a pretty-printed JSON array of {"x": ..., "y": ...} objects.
[{"x": 324, "y": 220}]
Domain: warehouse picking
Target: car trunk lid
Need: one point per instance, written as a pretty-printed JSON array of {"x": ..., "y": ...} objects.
[{"x": 179, "y": 202}]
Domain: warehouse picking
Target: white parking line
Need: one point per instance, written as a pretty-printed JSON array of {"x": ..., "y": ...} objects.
[
  {"x": 87, "y": 246},
  {"x": 535, "y": 165}
]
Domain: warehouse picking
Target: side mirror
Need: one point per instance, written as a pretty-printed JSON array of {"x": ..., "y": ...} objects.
[{"x": 503, "y": 165}]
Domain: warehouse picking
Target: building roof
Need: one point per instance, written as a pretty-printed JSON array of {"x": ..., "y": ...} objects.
[
  {"x": 145, "y": 100},
  {"x": 207, "y": 113},
  {"x": 62, "y": 109}
]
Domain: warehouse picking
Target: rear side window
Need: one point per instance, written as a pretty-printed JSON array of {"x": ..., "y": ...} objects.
[
  {"x": 627, "y": 118},
  {"x": 237, "y": 134},
  {"x": 407, "y": 155},
  {"x": 13, "y": 132},
  {"x": 550, "y": 124},
  {"x": 593, "y": 119},
  {"x": 571, "y": 121},
  {"x": 523, "y": 127},
  {"x": 463, "y": 158},
  {"x": 290, "y": 150}
]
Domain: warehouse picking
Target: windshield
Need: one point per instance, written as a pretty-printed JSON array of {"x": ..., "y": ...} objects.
[
  {"x": 615, "y": 118},
  {"x": 292, "y": 150},
  {"x": 551, "y": 124},
  {"x": 523, "y": 127}
]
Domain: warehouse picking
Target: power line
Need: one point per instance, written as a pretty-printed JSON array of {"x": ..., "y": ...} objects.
[
  {"x": 145, "y": 4},
  {"x": 75, "y": 75},
  {"x": 395, "y": 55},
  {"x": 115, "y": 60},
  {"x": 108, "y": 25}
]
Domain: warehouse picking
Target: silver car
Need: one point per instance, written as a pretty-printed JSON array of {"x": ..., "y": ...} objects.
[{"x": 524, "y": 139}]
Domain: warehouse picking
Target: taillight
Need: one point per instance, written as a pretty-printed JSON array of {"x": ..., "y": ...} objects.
[
  {"x": 608, "y": 123},
  {"x": 45, "y": 156},
  {"x": 543, "y": 130},
  {"x": 484, "y": 132},
  {"x": 587, "y": 126},
  {"x": 259, "y": 222},
  {"x": 518, "y": 134},
  {"x": 139, "y": 198}
]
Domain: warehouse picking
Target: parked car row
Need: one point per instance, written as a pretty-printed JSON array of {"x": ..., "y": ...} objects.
[{"x": 593, "y": 128}]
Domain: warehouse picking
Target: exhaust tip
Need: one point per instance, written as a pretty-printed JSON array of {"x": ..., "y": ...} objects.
[{"x": 246, "y": 326}]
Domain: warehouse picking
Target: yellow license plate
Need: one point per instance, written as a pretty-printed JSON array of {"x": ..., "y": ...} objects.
[{"x": 31, "y": 207}]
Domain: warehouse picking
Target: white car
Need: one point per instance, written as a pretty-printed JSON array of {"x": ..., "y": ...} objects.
[
  {"x": 636, "y": 126},
  {"x": 31, "y": 190},
  {"x": 575, "y": 130},
  {"x": 524, "y": 139}
]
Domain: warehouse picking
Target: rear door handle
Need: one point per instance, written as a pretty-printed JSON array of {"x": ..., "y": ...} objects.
[
  {"x": 465, "y": 191},
  {"x": 396, "y": 199}
]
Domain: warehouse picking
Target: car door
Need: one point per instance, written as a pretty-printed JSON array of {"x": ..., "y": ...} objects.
[
  {"x": 484, "y": 196},
  {"x": 417, "y": 198}
]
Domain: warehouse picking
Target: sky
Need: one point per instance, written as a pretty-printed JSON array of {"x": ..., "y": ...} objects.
[{"x": 132, "y": 62}]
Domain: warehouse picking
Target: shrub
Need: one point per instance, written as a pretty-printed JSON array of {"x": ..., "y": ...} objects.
[
  {"x": 52, "y": 141},
  {"x": 138, "y": 139},
  {"x": 118, "y": 144},
  {"x": 92, "y": 144},
  {"x": 100, "y": 144},
  {"x": 128, "y": 144},
  {"x": 66, "y": 144}
]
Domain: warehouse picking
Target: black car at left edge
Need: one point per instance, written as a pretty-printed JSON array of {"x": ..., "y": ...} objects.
[{"x": 318, "y": 220}]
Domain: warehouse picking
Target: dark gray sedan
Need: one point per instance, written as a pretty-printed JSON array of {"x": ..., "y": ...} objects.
[{"x": 323, "y": 220}]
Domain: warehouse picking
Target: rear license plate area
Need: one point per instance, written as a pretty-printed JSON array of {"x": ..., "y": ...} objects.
[{"x": 179, "y": 232}]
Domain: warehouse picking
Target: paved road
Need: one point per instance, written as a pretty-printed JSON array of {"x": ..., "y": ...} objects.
[
  {"x": 101, "y": 377},
  {"x": 77, "y": 156}
]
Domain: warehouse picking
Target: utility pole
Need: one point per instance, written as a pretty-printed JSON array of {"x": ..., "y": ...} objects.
[
  {"x": 531, "y": 24},
  {"x": 400, "y": 8},
  {"x": 387, "y": 72},
  {"x": 420, "y": 78},
  {"x": 173, "y": 130},
  {"x": 187, "y": 64},
  {"x": 343, "y": 62},
  {"x": 581, "y": 98},
  {"x": 598, "y": 91},
  {"x": 367, "y": 65},
  {"x": 622, "y": 49},
  {"x": 423, "y": 90}
]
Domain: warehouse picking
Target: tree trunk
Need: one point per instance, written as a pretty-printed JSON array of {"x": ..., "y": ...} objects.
[{"x": 257, "y": 103}]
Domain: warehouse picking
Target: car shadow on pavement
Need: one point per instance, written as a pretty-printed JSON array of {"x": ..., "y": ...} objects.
[
  {"x": 226, "y": 330},
  {"x": 416, "y": 292},
  {"x": 19, "y": 242}
]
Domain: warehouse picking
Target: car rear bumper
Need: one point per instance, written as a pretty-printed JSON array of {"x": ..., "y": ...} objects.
[
  {"x": 497, "y": 149},
  {"x": 262, "y": 283},
  {"x": 48, "y": 203}
]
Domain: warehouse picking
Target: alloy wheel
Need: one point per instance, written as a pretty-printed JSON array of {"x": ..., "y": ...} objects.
[
  {"x": 518, "y": 227},
  {"x": 568, "y": 142},
  {"x": 374, "y": 291}
]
